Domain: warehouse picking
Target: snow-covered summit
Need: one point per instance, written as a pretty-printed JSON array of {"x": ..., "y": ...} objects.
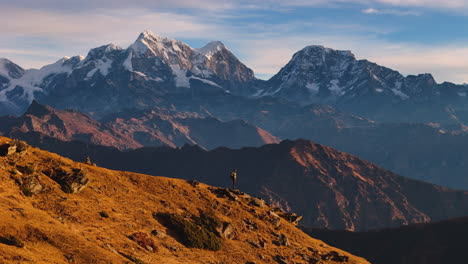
[
  {"x": 156, "y": 45},
  {"x": 211, "y": 48}
]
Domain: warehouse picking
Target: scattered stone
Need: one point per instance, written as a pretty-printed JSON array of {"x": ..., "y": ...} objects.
[
  {"x": 257, "y": 202},
  {"x": 274, "y": 219},
  {"x": 253, "y": 243},
  {"x": 30, "y": 185},
  {"x": 132, "y": 258},
  {"x": 145, "y": 241},
  {"x": 228, "y": 230},
  {"x": 88, "y": 161},
  {"x": 7, "y": 150},
  {"x": 158, "y": 234},
  {"x": 110, "y": 248},
  {"x": 335, "y": 256},
  {"x": 69, "y": 257},
  {"x": 174, "y": 248},
  {"x": 282, "y": 241},
  {"x": 292, "y": 218},
  {"x": 72, "y": 182},
  {"x": 224, "y": 193},
  {"x": 104, "y": 214},
  {"x": 280, "y": 259},
  {"x": 194, "y": 183},
  {"x": 251, "y": 225}
]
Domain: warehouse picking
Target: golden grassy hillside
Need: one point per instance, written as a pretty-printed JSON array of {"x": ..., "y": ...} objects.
[{"x": 119, "y": 218}]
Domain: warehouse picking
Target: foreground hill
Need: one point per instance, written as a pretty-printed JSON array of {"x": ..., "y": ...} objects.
[
  {"x": 54, "y": 210},
  {"x": 329, "y": 188},
  {"x": 434, "y": 243}
]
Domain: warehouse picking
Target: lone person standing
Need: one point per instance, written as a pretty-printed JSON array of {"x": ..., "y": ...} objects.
[{"x": 234, "y": 178}]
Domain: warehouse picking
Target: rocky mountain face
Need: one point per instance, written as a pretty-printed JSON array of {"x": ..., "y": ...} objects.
[
  {"x": 54, "y": 210},
  {"x": 329, "y": 188},
  {"x": 136, "y": 129},
  {"x": 433, "y": 243},
  {"x": 317, "y": 74}
]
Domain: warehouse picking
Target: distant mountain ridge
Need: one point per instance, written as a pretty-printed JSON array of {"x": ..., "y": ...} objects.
[
  {"x": 130, "y": 130},
  {"x": 433, "y": 243},
  {"x": 329, "y": 188}
]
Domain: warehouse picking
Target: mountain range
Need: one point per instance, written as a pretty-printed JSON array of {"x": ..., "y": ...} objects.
[{"x": 161, "y": 71}]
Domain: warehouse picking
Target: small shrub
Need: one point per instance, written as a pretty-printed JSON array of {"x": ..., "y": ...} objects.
[
  {"x": 191, "y": 234},
  {"x": 144, "y": 241},
  {"x": 210, "y": 221},
  {"x": 11, "y": 241}
]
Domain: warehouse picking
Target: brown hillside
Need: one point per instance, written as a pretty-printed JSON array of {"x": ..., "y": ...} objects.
[{"x": 118, "y": 218}]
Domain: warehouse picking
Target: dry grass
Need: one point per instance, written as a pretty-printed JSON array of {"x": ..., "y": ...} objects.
[{"x": 57, "y": 227}]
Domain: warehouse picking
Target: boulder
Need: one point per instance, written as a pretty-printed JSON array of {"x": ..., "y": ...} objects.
[{"x": 7, "y": 150}]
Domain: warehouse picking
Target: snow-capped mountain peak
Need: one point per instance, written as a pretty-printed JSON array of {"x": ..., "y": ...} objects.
[
  {"x": 156, "y": 45},
  {"x": 211, "y": 48}
]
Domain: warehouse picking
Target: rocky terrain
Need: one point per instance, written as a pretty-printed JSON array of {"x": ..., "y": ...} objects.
[
  {"x": 434, "y": 243},
  {"x": 55, "y": 210}
]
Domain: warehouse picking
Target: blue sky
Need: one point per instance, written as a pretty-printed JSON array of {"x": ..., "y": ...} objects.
[{"x": 411, "y": 36}]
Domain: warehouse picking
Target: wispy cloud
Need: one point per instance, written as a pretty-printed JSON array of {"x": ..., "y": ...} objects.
[{"x": 374, "y": 11}]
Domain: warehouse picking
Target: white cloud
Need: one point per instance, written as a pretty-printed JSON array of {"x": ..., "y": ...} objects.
[{"x": 390, "y": 12}]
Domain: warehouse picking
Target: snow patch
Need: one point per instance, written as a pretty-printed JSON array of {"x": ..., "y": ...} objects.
[
  {"x": 335, "y": 88},
  {"x": 128, "y": 62},
  {"x": 181, "y": 79},
  {"x": 399, "y": 93},
  {"x": 313, "y": 87},
  {"x": 205, "y": 81},
  {"x": 379, "y": 90}
]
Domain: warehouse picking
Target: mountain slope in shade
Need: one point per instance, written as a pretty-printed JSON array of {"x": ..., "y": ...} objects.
[
  {"x": 135, "y": 129},
  {"x": 112, "y": 220},
  {"x": 329, "y": 188},
  {"x": 434, "y": 243}
]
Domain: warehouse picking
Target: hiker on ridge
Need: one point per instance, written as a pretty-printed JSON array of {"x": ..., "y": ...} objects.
[{"x": 234, "y": 178}]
